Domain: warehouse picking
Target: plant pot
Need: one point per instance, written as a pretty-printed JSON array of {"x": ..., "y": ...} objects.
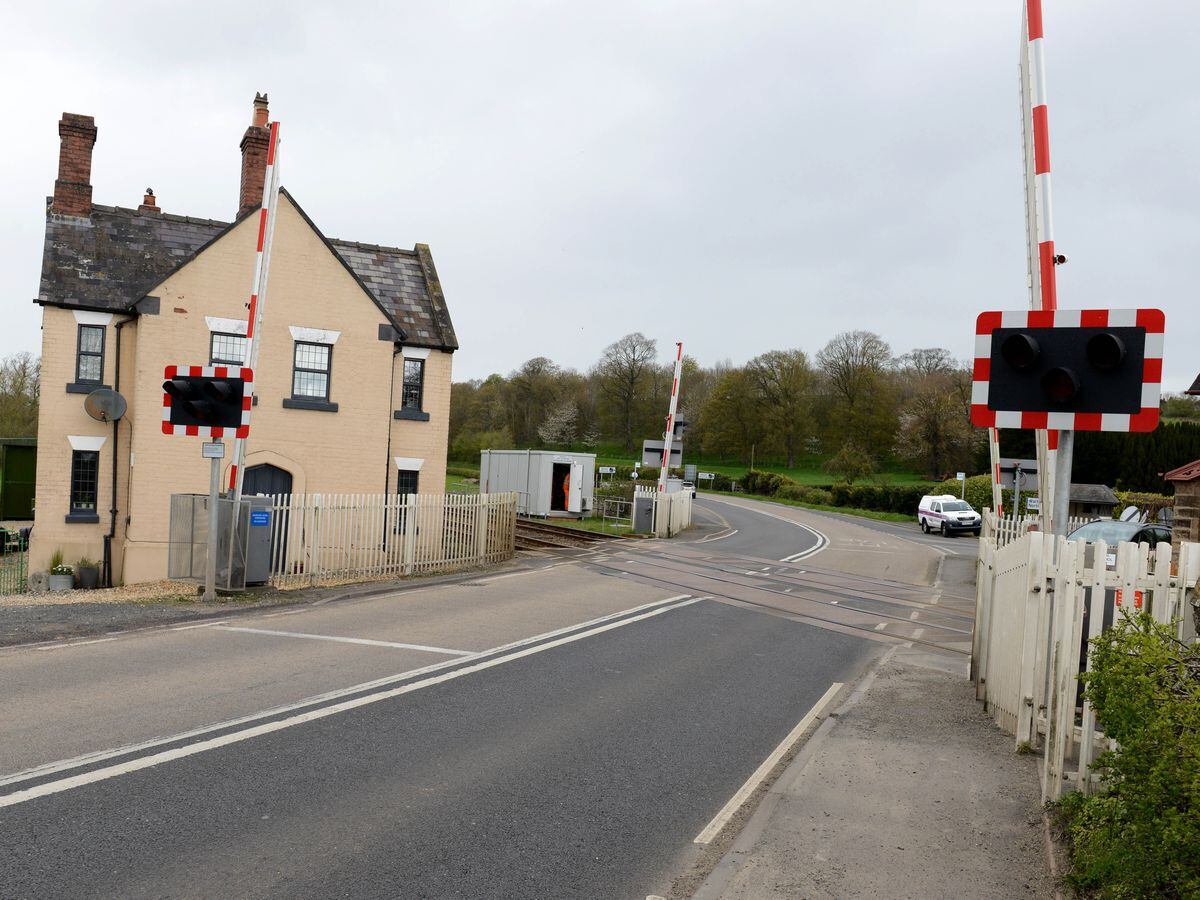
[
  {"x": 62, "y": 582},
  {"x": 89, "y": 577}
]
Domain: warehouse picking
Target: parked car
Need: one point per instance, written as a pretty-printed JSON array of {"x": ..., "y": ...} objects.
[
  {"x": 1114, "y": 531},
  {"x": 688, "y": 488},
  {"x": 947, "y": 514}
]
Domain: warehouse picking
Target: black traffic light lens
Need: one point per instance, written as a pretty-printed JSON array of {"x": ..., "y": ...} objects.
[
  {"x": 179, "y": 388},
  {"x": 220, "y": 391},
  {"x": 1060, "y": 385},
  {"x": 1020, "y": 351},
  {"x": 1105, "y": 351}
]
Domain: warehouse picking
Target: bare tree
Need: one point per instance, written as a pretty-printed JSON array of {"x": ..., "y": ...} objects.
[
  {"x": 624, "y": 377},
  {"x": 20, "y": 386}
]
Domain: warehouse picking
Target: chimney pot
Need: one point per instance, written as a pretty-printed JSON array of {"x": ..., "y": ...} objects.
[
  {"x": 148, "y": 202},
  {"x": 254, "y": 157},
  {"x": 73, "y": 187}
]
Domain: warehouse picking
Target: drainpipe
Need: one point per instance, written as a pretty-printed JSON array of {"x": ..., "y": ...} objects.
[
  {"x": 387, "y": 468},
  {"x": 107, "y": 574}
]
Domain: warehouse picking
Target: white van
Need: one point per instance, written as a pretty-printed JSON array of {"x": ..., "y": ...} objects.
[{"x": 947, "y": 514}]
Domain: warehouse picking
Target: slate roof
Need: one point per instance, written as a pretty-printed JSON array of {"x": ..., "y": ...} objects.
[
  {"x": 111, "y": 259},
  {"x": 1092, "y": 493}
]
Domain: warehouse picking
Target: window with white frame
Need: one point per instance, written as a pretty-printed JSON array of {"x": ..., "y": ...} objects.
[
  {"x": 226, "y": 349},
  {"x": 310, "y": 371},
  {"x": 89, "y": 355},
  {"x": 412, "y": 391}
]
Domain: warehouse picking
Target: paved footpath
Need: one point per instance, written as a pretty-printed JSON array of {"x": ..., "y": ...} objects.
[{"x": 907, "y": 790}]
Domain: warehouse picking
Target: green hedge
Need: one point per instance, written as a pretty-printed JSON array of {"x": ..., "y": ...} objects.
[
  {"x": 894, "y": 498},
  {"x": 1140, "y": 837}
]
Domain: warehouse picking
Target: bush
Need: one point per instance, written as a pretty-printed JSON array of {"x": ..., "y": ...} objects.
[
  {"x": 1139, "y": 838},
  {"x": 765, "y": 484}
]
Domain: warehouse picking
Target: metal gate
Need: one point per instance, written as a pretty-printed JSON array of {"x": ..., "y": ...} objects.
[{"x": 14, "y": 562}]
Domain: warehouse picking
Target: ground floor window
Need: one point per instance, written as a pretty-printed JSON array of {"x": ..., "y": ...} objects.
[
  {"x": 85, "y": 477},
  {"x": 406, "y": 481}
]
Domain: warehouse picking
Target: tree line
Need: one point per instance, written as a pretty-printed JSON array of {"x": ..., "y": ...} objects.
[{"x": 855, "y": 404}]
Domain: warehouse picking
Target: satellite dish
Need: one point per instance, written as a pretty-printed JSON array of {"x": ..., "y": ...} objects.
[
  {"x": 105, "y": 405},
  {"x": 1129, "y": 514}
]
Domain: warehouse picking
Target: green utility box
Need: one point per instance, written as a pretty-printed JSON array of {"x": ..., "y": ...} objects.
[{"x": 18, "y": 475}]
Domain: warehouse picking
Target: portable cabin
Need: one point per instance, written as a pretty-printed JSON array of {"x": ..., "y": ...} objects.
[
  {"x": 547, "y": 482},
  {"x": 18, "y": 473}
]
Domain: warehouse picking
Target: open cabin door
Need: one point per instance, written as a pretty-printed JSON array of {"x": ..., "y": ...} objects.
[{"x": 575, "y": 492}]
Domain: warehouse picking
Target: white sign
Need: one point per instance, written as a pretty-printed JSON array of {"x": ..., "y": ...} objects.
[
  {"x": 608, "y": 470},
  {"x": 709, "y": 475},
  {"x": 633, "y": 475},
  {"x": 1033, "y": 504},
  {"x": 212, "y": 450},
  {"x": 961, "y": 476}
]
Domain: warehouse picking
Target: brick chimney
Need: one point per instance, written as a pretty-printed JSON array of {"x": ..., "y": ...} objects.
[
  {"x": 254, "y": 157},
  {"x": 149, "y": 204},
  {"x": 73, "y": 187}
]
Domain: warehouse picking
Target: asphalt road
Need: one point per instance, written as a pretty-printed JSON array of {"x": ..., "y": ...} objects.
[{"x": 431, "y": 744}]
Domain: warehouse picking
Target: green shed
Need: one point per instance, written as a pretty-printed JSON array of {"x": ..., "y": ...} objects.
[{"x": 18, "y": 474}]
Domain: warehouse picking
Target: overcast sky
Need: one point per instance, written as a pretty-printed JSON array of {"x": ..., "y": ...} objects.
[{"x": 743, "y": 176}]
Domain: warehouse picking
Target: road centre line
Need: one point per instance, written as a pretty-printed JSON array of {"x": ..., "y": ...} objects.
[
  {"x": 146, "y": 762},
  {"x": 719, "y": 821},
  {"x": 101, "y": 755},
  {"x": 346, "y": 640}
]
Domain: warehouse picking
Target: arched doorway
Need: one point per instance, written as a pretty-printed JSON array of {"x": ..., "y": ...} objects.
[{"x": 269, "y": 479}]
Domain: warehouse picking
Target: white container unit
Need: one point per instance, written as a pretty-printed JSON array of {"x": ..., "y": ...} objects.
[{"x": 547, "y": 482}]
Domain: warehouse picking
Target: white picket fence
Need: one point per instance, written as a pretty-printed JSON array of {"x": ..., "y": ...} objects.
[
  {"x": 1035, "y": 593},
  {"x": 672, "y": 512},
  {"x": 1009, "y": 528},
  {"x": 331, "y": 538}
]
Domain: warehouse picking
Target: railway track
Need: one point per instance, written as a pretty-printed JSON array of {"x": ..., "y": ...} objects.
[{"x": 533, "y": 534}]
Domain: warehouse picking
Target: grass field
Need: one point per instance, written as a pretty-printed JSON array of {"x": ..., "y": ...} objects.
[
  {"x": 808, "y": 473},
  {"x": 844, "y": 510}
]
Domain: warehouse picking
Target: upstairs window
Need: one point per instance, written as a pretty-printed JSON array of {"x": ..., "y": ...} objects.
[
  {"x": 89, "y": 355},
  {"x": 412, "y": 391},
  {"x": 227, "y": 349},
  {"x": 310, "y": 371}
]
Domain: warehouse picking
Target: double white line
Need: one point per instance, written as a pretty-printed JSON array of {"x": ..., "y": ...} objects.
[{"x": 594, "y": 627}]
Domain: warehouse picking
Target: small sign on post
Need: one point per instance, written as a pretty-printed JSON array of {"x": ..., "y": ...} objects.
[
  {"x": 962, "y": 480},
  {"x": 1033, "y": 504}
]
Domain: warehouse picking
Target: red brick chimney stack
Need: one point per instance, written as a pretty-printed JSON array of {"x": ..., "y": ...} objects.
[
  {"x": 149, "y": 204},
  {"x": 254, "y": 157},
  {"x": 73, "y": 187}
]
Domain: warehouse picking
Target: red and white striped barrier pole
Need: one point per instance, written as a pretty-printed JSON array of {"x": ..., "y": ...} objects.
[
  {"x": 258, "y": 295},
  {"x": 1043, "y": 281},
  {"x": 666, "y": 458}
]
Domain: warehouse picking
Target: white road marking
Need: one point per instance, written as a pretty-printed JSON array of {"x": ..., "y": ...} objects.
[
  {"x": 101, "y": 755},
  {"x": 713, "y": 828},
  {"x": 77, "y": 644},
  {"x": 224, "y": 740},
  {"x": 917, "y": 633},
  {"x": 913, "y": 615},
  {"x": 346, "y": 640},
  {"x": 881, "y": 626},
  {"x": 822, "y": 540},
  {"x": 201, "y": 625}
]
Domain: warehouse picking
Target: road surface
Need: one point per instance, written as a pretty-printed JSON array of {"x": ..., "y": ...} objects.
[{"x": 565, "y": 730}]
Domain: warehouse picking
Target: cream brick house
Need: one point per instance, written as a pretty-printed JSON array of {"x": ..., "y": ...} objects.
[{"x": 352, "y": 384}]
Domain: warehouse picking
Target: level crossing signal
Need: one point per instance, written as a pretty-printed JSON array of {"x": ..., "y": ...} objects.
[
  {"x": 1083, "y": 370},
  {"x": 207, "y": 401}
]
